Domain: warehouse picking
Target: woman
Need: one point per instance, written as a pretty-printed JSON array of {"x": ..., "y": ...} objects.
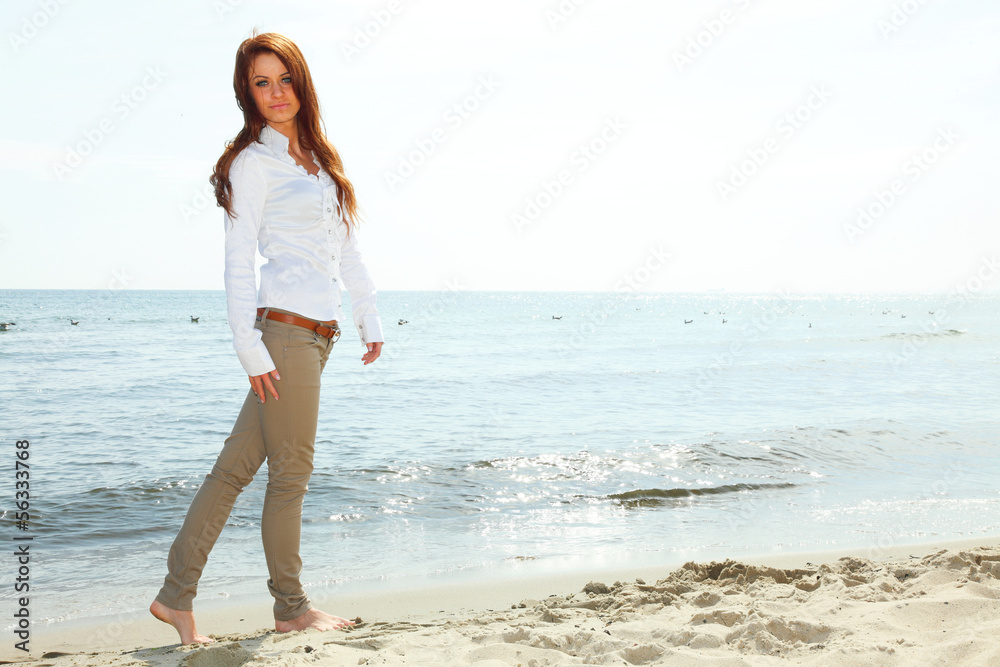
[{"x": 282, "y": 186}]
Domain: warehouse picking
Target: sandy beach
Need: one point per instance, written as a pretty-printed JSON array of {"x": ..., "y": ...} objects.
[{"x": 926, "y": 604}]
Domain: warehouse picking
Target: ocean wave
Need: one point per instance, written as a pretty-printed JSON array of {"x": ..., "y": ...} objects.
[
  {"x": 927, "y": 335},
  {"x": 655, "y": 497}
]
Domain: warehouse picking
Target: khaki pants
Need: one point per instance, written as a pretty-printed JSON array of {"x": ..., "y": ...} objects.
[{"x": 282, "y": 432}]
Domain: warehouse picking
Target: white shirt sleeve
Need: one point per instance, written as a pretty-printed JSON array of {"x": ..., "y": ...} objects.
[
  {"x": 359, "y": 284},
  {"x": 249, "y": 194}
]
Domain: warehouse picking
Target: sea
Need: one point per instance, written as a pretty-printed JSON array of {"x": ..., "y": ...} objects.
[{"x": 501, "y": 434}]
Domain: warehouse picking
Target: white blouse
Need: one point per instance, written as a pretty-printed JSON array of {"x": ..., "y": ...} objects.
[{"x": 296, "y": 220}]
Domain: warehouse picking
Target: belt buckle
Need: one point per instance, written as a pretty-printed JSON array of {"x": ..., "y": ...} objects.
[{"x": 334, "y": 331}]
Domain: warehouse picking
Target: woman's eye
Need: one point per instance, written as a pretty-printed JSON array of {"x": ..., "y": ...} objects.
[{"x": 263, "y": 82}]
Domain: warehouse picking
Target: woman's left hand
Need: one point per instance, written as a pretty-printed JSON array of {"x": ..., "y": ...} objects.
[{"x": 374, "y": 349}]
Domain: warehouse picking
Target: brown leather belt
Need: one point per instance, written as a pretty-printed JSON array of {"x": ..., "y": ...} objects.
[{"x": 327, "y": 329}]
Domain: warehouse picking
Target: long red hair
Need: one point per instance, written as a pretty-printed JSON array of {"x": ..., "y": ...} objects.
[{"x": 311, "y": 136}]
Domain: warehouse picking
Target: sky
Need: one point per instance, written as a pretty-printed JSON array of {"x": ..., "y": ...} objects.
[{"x": 741, "y": 145}]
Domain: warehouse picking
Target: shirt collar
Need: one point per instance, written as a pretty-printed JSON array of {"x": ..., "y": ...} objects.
[
  {"x": 274, "y": 140},
  {"x": 278, "y": 143}
]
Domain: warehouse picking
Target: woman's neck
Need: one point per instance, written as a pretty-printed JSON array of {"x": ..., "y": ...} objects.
[{"x": 291, "y": 132}]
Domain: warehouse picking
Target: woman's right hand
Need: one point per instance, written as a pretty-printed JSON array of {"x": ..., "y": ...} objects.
[{"x": 259, "y": 382}]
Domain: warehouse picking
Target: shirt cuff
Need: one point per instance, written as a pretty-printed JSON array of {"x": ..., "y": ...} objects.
[
  {"x": 370, "y": 329},
  {"x": 256, "y": 360}
]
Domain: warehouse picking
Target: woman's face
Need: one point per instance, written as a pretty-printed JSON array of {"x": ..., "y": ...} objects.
[{"x": 272, "y": 89}]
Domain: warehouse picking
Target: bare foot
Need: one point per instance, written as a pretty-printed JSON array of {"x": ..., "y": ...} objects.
[
  {"x": 314, "y": 618},
  {"x": 183, "y": 622}
]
